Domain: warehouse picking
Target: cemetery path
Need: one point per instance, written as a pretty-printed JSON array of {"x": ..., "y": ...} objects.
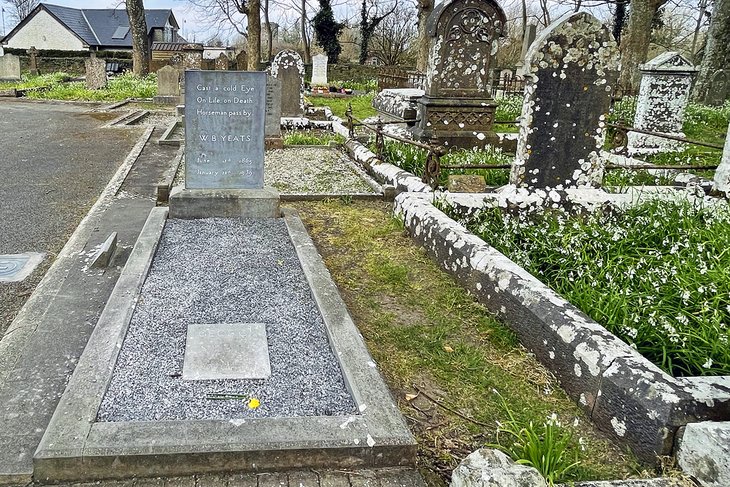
[{"x": 56, "y": 160}]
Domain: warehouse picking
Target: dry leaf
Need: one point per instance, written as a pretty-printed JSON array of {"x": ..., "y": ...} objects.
[
  {"x": 410, "y": 397},
  {"x": 448, "y": 348}
]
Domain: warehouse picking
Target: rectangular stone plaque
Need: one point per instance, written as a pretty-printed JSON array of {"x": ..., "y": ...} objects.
[
  {"x": 319, "y": 70},
  {"x": 224, "y": 129},
  {"x": 273, "y": 107},
  {"x": 226, "y": 351}
]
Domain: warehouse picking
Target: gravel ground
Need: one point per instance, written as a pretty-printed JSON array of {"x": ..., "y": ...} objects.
[
  {"x": 225, "y": 271},
  {"x": 307, "y": 170}
]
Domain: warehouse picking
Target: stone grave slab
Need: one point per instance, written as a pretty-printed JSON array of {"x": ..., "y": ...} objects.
[
  {"x": 226, "y": 351},
  {"x": 16, "y": 267}
]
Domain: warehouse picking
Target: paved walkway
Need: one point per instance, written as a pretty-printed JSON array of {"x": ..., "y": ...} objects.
[{"x": 41, "y": 347}]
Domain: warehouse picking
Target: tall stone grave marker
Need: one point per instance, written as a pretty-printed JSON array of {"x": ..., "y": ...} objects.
[
  {"x": 273, "y": 113},
  {"x": 666, "y": 82},
  {"x": 457, "y": 109},
  {"x": 224, "y": 147},
  {"x": 720, "y": 88},
  {"x": 571, "y": 70},
  {"x": 221, "y": 62},
  {"x": 33, "y": 61},
  {"x": 527, "y": 40},
  {"x": 242, "y": 61},
  {"x": 95, "y": 73},
  {"x": 319, "y": 70},
  {"x": 9, "y": 67},
  {"x": 288, "y": 67},
  {"x": 168, "y": 86}
]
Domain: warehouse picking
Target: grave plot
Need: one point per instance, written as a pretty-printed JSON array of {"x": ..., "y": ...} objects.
[{"x": 557, "y": 173}]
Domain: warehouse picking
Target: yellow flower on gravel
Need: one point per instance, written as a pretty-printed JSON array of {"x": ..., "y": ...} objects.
[{"x": 254, "y": 403}]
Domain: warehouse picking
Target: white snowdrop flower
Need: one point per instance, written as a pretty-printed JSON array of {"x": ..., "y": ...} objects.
[{"x": 707, "y": 364}]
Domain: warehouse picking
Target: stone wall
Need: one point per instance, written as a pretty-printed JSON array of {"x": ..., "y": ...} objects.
[{"x": 50, "y": 61}]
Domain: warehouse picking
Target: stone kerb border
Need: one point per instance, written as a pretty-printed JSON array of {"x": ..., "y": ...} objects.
[
  {"x": 76, "y": 447},
  {"x": 632, "y": 399}
]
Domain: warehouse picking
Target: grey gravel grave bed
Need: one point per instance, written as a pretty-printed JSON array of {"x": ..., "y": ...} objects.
[{"x": 225, "y": 271}]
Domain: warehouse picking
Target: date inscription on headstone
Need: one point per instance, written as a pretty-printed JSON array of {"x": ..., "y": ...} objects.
[{"x": 224, "y": 129}]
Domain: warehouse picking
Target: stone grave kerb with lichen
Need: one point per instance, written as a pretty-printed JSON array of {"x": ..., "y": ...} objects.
[
  {"x": 666, "y": 83},
  {"x": 570, "y": 73},
  {"x": 457, "y": 109},
  {"x": 288, "y": 67}
]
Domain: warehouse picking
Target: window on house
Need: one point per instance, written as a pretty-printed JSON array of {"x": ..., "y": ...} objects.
[{"x": 121, "y": 32}]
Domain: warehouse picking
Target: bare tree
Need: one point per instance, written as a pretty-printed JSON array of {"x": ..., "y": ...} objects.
[
  {"x": 140, "y": 41},
  {"x": 369, "y": 21},
  {"x": 636, "y": 39},
  {"x": 392, "y": 40},
  {"x": 269, "y": 31},
  {"x": 19, "y": 9},
  {"x": 234, "y": 14}
]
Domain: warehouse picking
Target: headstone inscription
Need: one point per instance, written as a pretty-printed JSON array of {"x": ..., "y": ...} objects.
[
  {"x": 9, "y": 67},
  {"x": 288, "y": 67},
  {"x": 224, "y": 129},
  {"x": 273, "y": 114},
  {"x": 319, "y": 70},
  {"x": 666, "y": 83},
  {"x": 570, "y": 72},
  {"x": 457, "y": 109},
  {"x": 33, "y": 61},
  {"x": 95, "y": 73}
]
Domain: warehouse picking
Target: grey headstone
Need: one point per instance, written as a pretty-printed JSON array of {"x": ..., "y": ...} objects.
[
  {"x": 273, "y": 107},
  {"x": 226, "y": 351},
  {"x": 457, "y": 109},
  {"x": 319, "y": 70},
  {"x": 9, "y": 67},
  {"x": 704, "y": 453},
  {"x": 224, "y": 129},
  {"x": 488, "y": 468},
  {"x": 719, "y": 88},
  {"x": 570, "y": 73},
  {"x": 168, "y": 81},
  {"x": 242, "y": 61},
  {"x": 288, "y": 67},
  {"x": 666, "y": 82},
  {"x": 95, "y": 73},
  {"x": 33, "y": 61},
  {"x": 192, "y": 57},
  {"x": 722, "y": 174},
  {"x": 221, "y": 62}
]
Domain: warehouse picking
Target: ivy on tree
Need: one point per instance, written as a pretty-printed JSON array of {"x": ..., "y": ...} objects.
[{"x": 328, "y": 30}]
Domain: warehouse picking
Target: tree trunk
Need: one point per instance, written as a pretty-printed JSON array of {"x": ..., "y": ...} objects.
[
  {"x": 140, "y": 41},
  {"x": 254, "y": 34},
  {"x": 717, "y": 49},
  {"x": 305, "y": 38},
  {"x": 425, "y": 7},
  {"x": 636, "y": 39},
  {"x": 698, "y": 26},
  {"x": 269, "y": 32}
]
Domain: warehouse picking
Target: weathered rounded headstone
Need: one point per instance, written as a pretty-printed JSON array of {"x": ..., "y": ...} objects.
[
  {"x": 288, "y": 67},
  {"x": 221, "y": 62},
  {"x": 168, "y": 85},
  {"x": 95, "y": 73},
  {"x": 242, "y": 61},
  {"x": 570, "y": 71},
  {"x": 719, "y": 88},
  {"x": 666, "y": 83},
  {"x": 457, "y": 109}
]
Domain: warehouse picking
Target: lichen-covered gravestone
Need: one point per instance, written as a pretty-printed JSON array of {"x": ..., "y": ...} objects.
[
  {"x": 570, "y": 72},
  {"x": 722, "y": 174},
  {"x": 242, "y": 61},
  {"x": 719, "y": 88},
  {"x": 95, "y": 73},
  {"x": 288, "y": 67},
  {"x": 9, "y": 67},
  {"x": 666, "y": 82},
  {"x": 319, "y": 70},
  {"x": 457, "y": 109},
  {"x": 221, "y": 62}
]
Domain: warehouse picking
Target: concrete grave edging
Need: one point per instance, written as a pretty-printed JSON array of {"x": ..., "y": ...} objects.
[
  {"x": 638, "y": 404},
  {"x": 76, "y": 447}
]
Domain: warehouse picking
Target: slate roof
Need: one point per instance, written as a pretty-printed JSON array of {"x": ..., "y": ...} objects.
[{"x": 96, "y": 27}]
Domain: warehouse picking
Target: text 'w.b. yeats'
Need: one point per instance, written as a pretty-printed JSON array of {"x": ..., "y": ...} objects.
[{"x": 224, "y": 129}]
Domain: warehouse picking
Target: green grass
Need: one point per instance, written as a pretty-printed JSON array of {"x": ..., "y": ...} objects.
[
  {"x": 424, "y": 330},
  {"x": 28, "y": 81},
  {"x": 362, "y": 105},
  {"x": 412, "y": 159},
  {"x": 119, "y": 88},
  {"x": 309, "y": 137},
  {"x": 656, "y": 275}
]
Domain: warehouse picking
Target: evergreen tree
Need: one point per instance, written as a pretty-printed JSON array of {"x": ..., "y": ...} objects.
[{"x": 327, "y": 30}]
